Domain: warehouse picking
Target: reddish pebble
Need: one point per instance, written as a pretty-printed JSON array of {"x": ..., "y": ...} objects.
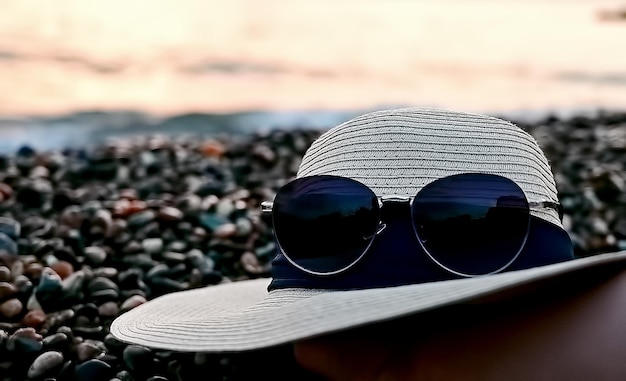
[
  {"x": 6, "y": 191},
  {"x": 212, "y": 148},
  {"x": 124, "y": 207},
  {"x": 63, "y": 268},
  {"x": 34, "y": 318}
]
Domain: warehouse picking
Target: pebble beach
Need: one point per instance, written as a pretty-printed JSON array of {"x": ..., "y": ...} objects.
[{"x": 87, "y": 234}]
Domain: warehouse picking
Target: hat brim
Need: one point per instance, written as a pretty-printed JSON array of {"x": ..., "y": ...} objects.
[{"x": 242, "y": 315}]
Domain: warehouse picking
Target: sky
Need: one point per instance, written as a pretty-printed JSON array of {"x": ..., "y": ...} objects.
[{"x": 166, "y": 57}]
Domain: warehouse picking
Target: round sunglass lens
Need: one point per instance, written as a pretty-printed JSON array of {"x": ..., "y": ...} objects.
[
  {"x": 324, "y": 224},
  {"x": 471, "y": 224}
]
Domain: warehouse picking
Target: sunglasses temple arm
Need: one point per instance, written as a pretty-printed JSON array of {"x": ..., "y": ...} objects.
[
  {"x": 548, "y": 204},
  {"x": 267, "y": 206}
]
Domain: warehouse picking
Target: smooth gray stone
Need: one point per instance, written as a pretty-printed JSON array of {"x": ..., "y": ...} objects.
[{"x": 44, "y": 363}]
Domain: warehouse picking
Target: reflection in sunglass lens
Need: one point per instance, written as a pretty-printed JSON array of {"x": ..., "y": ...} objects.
[
  {"x": 324, "y": 224},
  {"x": 471, "y": 224}
]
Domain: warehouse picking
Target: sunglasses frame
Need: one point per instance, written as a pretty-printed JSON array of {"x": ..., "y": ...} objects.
[{"x": 267, "y": 208}]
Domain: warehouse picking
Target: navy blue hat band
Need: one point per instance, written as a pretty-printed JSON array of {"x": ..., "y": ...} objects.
[{"x": 396, "y": 259}]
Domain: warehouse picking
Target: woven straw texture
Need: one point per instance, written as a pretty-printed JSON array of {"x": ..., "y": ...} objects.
[
  {"x": 244, "y": 316},
  {"x": 397, "y": 152}
]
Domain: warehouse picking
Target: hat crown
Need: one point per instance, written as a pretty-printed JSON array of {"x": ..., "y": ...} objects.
[{"x": 399, "y": 151}]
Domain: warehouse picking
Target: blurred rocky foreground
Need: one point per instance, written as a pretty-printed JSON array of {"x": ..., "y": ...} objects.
[{"x": 86, "y": 234}]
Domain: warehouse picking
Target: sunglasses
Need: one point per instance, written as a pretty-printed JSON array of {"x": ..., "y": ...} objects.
[{"x": 468, "y": 224}]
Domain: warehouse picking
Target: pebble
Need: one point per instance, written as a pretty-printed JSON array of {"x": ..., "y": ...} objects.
[
  {"x": 45, "y": 363},
  {"x": 62, "y": 268},
  {"x": 93, "y": 370},
  {"x": 109, "y": 309},
  {"x": 5, "y": 274},
  {"x": 24, "y": 341},
  {"x": 96, "y": 255},
  {"x": 34, "y": 318},
  {"x": 56, "y": 341},
  {"x": 10, "y": 308},
  {"x": 132, "y": 302},
  {"x": 10, "y": 227},
  {"x": 89, "y": 350},
  {"x": 7, "y": 289},
  {"x": 7, "y": 244}
]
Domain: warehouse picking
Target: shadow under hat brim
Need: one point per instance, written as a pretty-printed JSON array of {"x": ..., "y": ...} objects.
[{"x": 242, "y": 315}]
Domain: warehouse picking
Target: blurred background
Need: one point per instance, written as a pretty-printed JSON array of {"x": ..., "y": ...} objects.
[{"x": 80, "y": 66}]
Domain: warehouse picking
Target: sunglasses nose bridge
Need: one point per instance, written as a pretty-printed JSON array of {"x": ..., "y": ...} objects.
[
  {"x": 393, "y": 208},
  {"x": 396, "y": 199}
]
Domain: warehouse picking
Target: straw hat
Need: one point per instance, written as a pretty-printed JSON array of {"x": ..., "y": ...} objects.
[{"x": 394, "y": 152}]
